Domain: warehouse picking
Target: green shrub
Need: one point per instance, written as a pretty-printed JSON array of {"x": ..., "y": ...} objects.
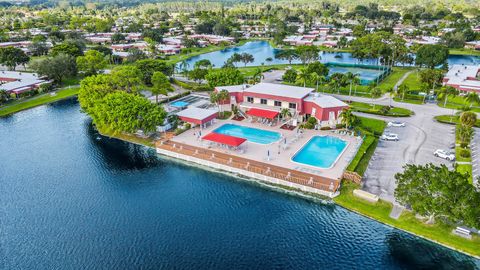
[{"x": 464, "y": 153}]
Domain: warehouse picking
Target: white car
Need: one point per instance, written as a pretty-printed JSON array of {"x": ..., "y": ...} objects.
[
  {"x": 389, "y": 137},
  {"x": 396, "y": 124},
  {"x": 444, "y": 154}
]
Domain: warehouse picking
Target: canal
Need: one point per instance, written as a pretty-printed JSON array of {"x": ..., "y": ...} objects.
[{"x": 71, "y": 199}]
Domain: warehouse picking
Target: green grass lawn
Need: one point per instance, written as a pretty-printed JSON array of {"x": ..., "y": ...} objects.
[
  {"x": 379, "y": 109},
  {"x": 463, "y": 51},
  {"x": 380, "y": 211},
  {"x": 370, "y": 128},
  {"x": 389, "y": 82},
  {"x": 413, "y": 81},
  {"x": 452, "y": 120},
  {"x": 458, "y": 102},
  {"x": 23, "y": 104}
]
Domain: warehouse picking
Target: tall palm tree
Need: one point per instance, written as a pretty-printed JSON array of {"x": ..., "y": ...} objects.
[
  {"x": 303, "y": 76},
  {"x": 258, "y": 74},
  {"x": 284, "y": 113},
  {"x": 471, "y": 98},
  {"x": 446, "y": 92},
  {"x": 375, "y": 93},
  {"x": 402, "y": 90},
  {"x": 315, "y": 77},
  {"x": 347, "y": 117},
  {"x": 184, "y": 65}
]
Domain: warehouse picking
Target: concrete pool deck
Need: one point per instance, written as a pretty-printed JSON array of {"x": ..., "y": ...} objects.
[{"x": 258, "y": 152}]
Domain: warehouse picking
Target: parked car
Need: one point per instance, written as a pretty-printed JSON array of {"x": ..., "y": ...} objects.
[
  {"x": 396, "y": 124},
  {"x": 389, "y": 137},
  {"x": 444, "y": 154}
]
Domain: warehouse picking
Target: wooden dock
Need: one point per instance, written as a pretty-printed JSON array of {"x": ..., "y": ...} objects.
[{"x": 300, "y": 180}]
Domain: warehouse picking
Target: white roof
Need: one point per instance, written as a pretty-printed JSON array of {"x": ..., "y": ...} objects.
[
  {"x": 197, "y": 113},
  {"x": 463, "y": 75},
  {"x": 280, "y": 90},
  {"x": 325, "y": 101},
  {"x": 22, "y": 79},
  {"x": 232, "y": 88}
]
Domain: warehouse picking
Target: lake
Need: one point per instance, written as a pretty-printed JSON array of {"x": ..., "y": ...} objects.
[
  {"x": 262, "y": 50},
  {"x": 72, "y": 199}
]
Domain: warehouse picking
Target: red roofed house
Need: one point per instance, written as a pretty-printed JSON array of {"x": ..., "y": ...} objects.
[{"x": 302, "y": 102}]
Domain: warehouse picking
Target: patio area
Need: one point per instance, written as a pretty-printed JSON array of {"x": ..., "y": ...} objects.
[{"x": 278, "y": 153}]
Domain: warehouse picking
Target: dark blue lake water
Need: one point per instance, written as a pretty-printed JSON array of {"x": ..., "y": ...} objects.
[
  {"x": 262, "y": 51},
  {"x": 70, "y": 199}
]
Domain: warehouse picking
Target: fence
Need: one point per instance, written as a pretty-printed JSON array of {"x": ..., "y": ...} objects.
[{"x": 265, "y": 169}]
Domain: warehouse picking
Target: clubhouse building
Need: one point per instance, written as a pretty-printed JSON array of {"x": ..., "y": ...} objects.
[
  {"x": 267, "y": 100},
  {"x": 464, "y": 78}
]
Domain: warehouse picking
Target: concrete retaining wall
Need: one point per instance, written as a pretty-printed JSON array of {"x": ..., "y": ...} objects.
[{"x": 246, "y": 173}]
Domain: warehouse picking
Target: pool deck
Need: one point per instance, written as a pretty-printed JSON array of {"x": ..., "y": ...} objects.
[{"x": 255, "y": 156}]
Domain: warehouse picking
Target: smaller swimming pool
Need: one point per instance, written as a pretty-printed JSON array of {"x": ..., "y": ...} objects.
[
  {"x": 320, "y": 151},
  {"x": 179, "y": 104},
  {"x": 255, "y": 135}
]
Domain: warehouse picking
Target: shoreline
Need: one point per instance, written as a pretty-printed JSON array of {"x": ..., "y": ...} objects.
[{"x": 295, "y": 192}]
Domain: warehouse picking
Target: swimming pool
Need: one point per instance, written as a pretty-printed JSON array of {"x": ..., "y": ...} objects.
[
  {"x": 320, "y": 151},
  {"x": 255, "y": 135},
  {"x": 179, "y": 104}
]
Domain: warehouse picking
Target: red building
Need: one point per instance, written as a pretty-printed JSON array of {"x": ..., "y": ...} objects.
[{"x": 302, "y": 102}]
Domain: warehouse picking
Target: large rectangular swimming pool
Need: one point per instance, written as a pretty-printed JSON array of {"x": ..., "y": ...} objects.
[
  {"x": 255, "y": 135},
  {"x": 320, "y": 151}
]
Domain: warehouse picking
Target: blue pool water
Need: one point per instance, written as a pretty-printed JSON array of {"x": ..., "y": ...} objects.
[
  {"x": 255, "y": 135},
  {"x": 179, "y": 104},
  {"x": 367, "y": 75},
  {"x": 320, "y": 151}
]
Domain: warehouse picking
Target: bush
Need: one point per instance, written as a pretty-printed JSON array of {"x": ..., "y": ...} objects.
[
  {"x": 464, "y": 153},
  {"x": 290, "y": 76},
  {"x": 384, "y": 109},
  {"x": 464, "y": 145}
]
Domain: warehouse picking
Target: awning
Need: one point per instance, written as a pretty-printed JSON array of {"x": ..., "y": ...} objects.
[
  {"x": 262, "y": 113},
  {"x": 224, "y": 139}
]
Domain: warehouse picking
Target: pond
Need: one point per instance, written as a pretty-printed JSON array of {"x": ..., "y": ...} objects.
[
  {"x": 262, "y": 52},
  {"x": 72, "y": 199}
]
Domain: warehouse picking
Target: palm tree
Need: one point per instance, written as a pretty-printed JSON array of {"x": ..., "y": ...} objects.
[
  {"x": 468, "y": 119},
  {"x": 402, "y": 90},
  {"x": 375, "y": 93},
  {"x": 284, "y": 113},
  {"x": 472, "y": 97},
  {"x": 184, "y": 65},
  {"x": 349, "y": 77},
  {"x": 315, "y": 77},
  {"x": 258, "y": 74},
  {"x": 222, "y": 97},
  {"x": 464, "y": 133},
  {"x": 246, "y": 58},
  {"x": 347, "y": 117},
  {"x": 303, "y": 76},
  {"x": 446, "y": 92}
]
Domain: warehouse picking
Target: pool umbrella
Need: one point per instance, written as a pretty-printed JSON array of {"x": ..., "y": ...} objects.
[{"x": 268, "y": 154}]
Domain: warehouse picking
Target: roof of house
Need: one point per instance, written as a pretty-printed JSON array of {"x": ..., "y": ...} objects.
[
  {"x": 19, "y": 80},
  {"x": 280, "y": 90},
  {"x": 325, "y": 101},
  {"x": 463, "y": 74},
  {"x": 197, "y": 113}
]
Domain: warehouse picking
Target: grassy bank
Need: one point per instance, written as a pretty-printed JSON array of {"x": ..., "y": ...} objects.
[
  {"x": 126, "y": 137},
  {"x": 370, "y": 129},
  {"x": 463, "y": 51},
  {"x": 24, "y": 104},
  {"x": 452, "y": 120},
  {"x": 380, "y": 110},
  {"x": 389, "y": 82},
  {"x": 438, "y": 232}
]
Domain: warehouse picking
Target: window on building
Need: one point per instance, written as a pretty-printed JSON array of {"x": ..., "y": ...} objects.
[
  {"x": 263, "y": 101},
  {"x": 250, "y": 99},
  {"x": 292, "y": 105},
  {"x": 277, "y": 103}
]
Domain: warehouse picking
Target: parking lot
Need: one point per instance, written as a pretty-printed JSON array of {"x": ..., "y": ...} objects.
[{"x": 417, "y": 141}]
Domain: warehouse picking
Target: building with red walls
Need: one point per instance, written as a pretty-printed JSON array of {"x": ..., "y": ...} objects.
[{"x": 301, "y": 101}]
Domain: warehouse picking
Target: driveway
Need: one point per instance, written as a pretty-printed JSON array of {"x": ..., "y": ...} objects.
[
  {"x": 273, "y": 76},
  {"x": 421, "y": 136}
]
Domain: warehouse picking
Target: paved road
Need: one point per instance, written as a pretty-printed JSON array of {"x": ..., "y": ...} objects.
[{"x": 273, "y": 76}]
